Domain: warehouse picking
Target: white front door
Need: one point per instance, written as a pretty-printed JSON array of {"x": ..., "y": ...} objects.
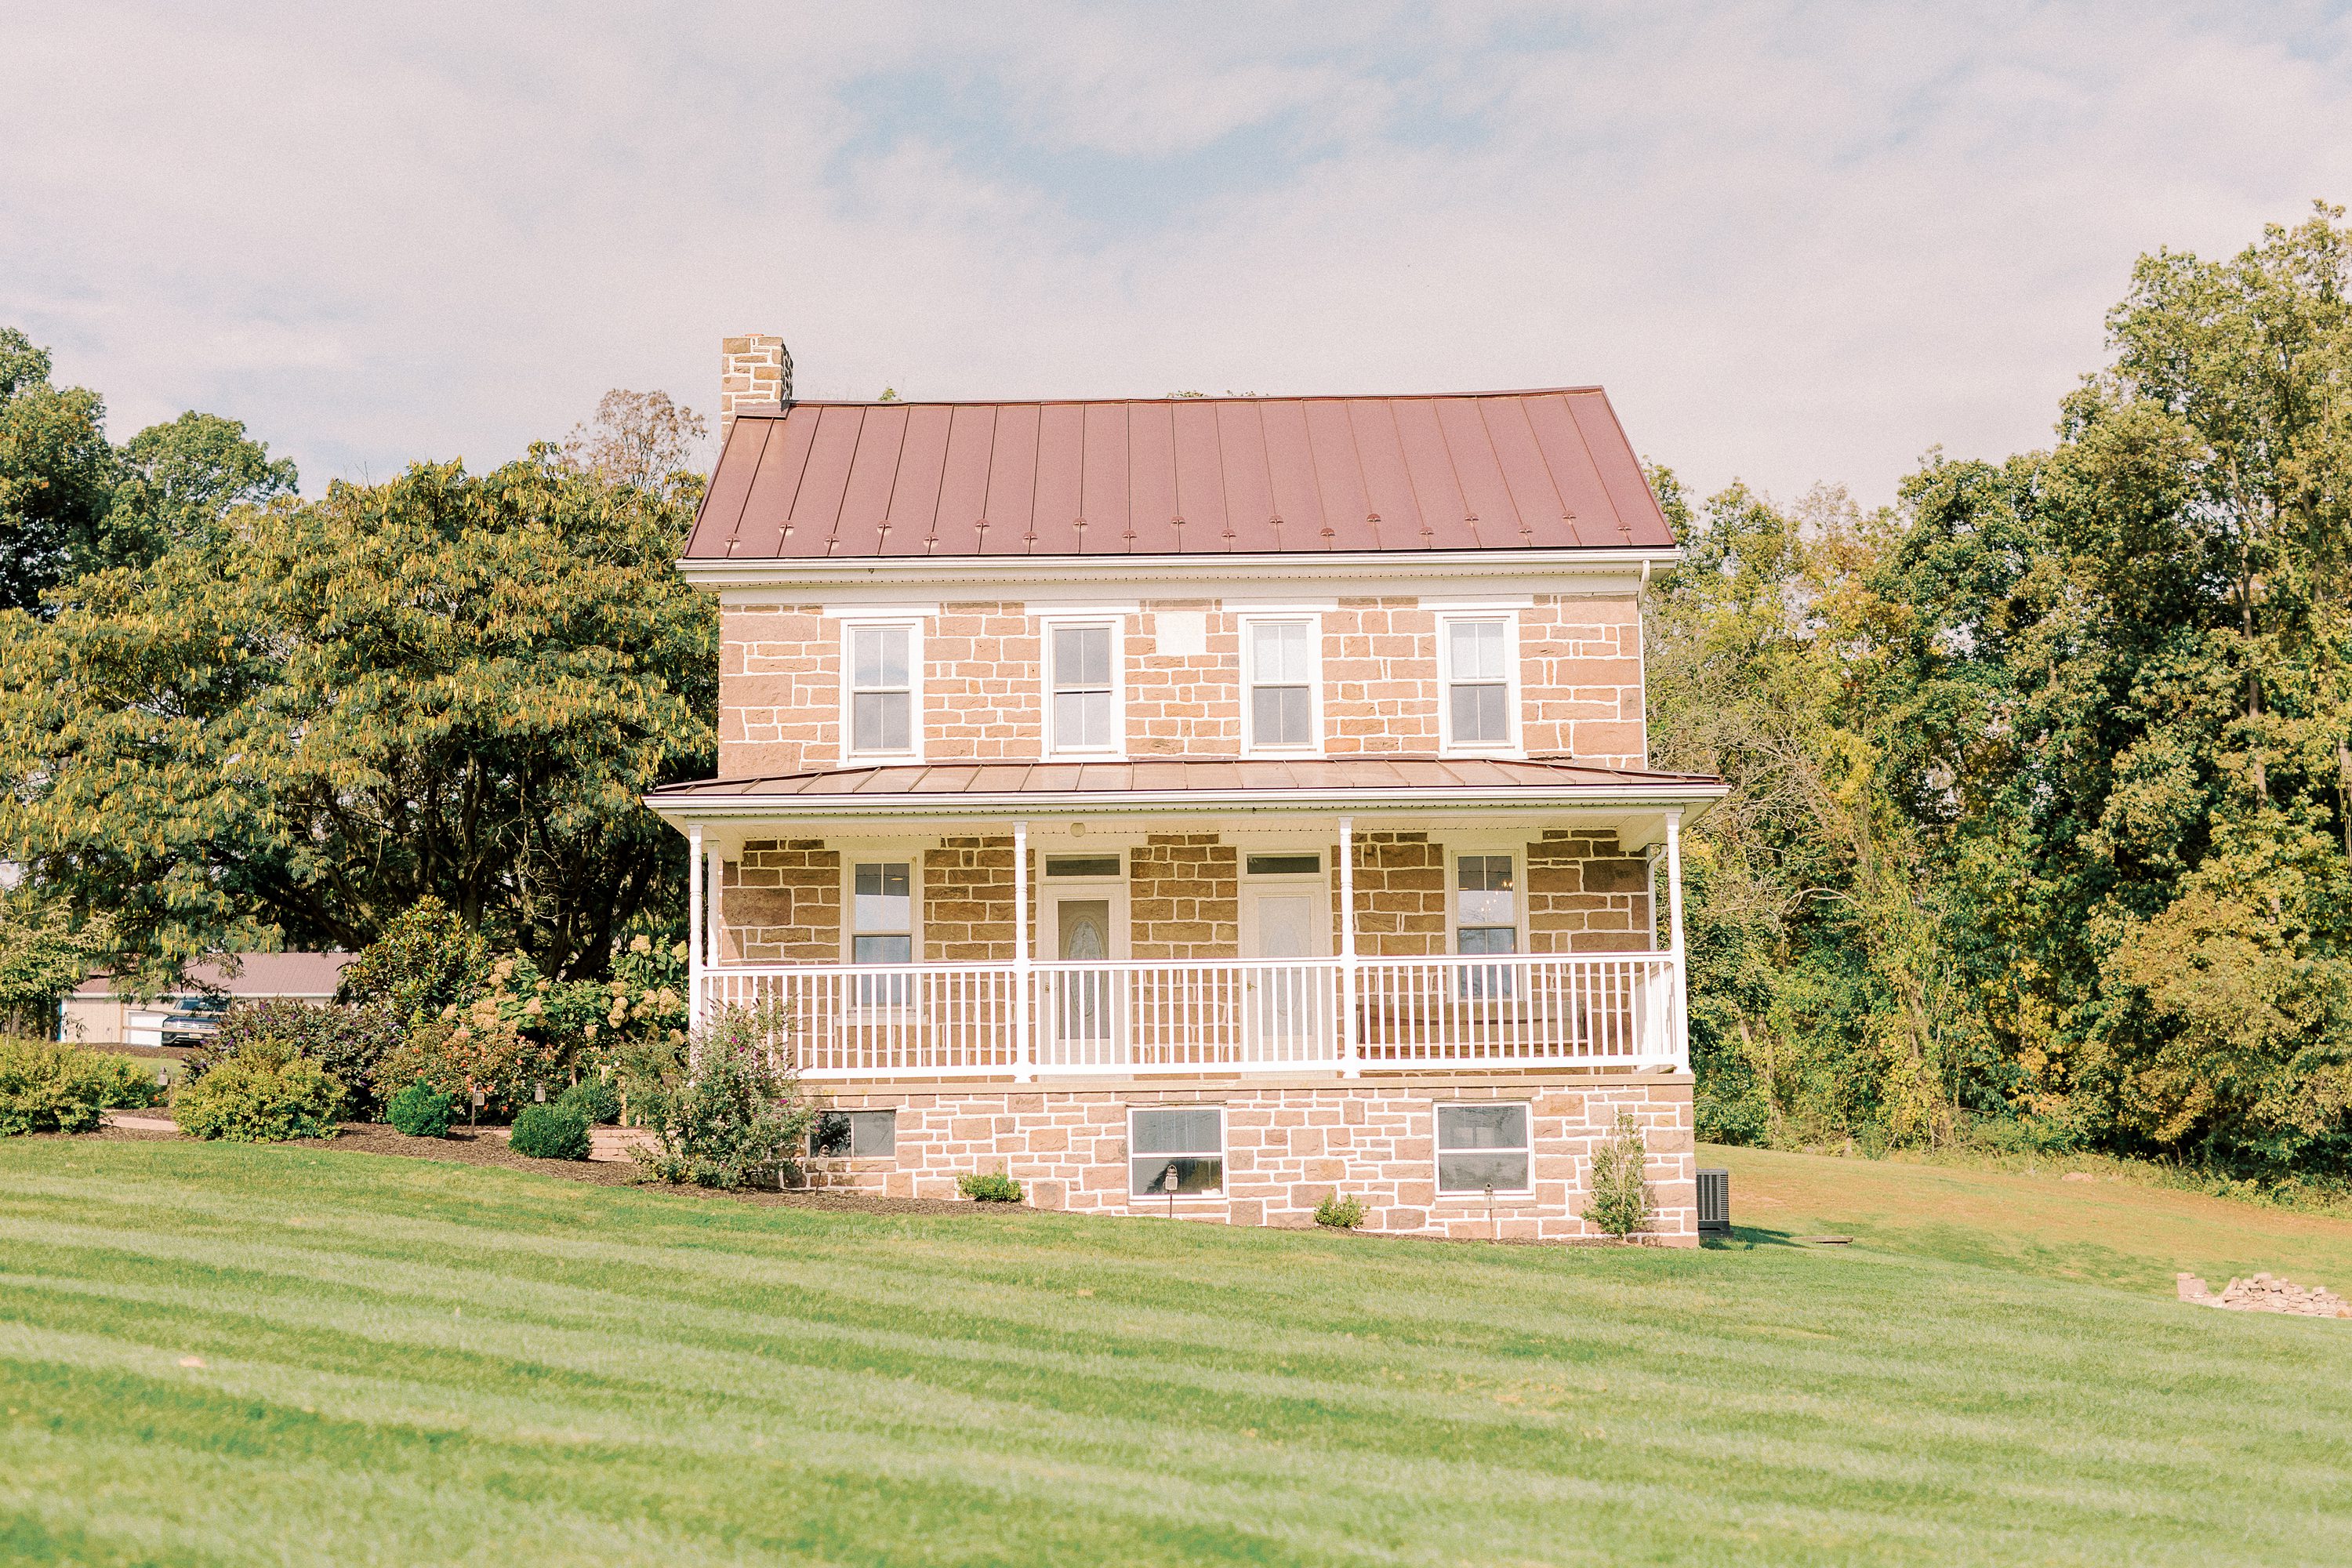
[
  {"x": 1082, "y": 935},
  {"x": 1287, "y": 922}
]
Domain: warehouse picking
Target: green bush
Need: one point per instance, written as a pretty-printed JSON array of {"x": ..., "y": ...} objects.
[
  {"x": 989, "y": 1187},
  {"x": 1339, "y": 1212},
  {"x": 426, "y": 959},
  {"x": 253, "y": 1099},
  {"x": 594, "y": 1099},
  {"x": 348, "y": 1043},
  {"x": 1621, "y": 1202},
  {"x": 46, "y": 1087},
  {"x": 550, "y": 1133},
  {"x": 421, "y": 1110},
  {"x": 720, "y": 1115}
]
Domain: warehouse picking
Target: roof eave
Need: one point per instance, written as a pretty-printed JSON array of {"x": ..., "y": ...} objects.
[
  {"x": 710, "y": 572},
  {"x": 1692, "y": 798}
]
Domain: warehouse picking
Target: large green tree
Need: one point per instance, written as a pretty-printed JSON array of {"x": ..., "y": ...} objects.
[
  {"x": 2093, "y": 706},
  {"x": 289, "y": 731}
]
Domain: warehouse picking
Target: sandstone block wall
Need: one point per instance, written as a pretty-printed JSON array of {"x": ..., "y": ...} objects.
[
  {"x": 1288, "y": 1145},
  {"x": 983, "y": 698},
  {"x": 782, "y": 903}
]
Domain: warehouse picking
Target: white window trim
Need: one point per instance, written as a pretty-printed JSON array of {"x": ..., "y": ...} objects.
[
  {"x": 1514, "y": 743},
  {"x": 1438, "y": 1151},
  {"x": 1247, "y": 622},
  {"x": 1225, "y": 1159},
  {"x": 915, "y": 724},
  {"x": 1454, "y": 850},
  {"x": 911, "y": 852},
  {"x": 1046, "y": 626}
]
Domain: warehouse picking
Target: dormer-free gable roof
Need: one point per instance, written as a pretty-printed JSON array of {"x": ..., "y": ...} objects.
[{"x": 1492, "y": 470}]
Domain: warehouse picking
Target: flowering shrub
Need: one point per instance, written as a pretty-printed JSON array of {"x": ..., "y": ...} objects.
[{"x": 721, "y": 1116}]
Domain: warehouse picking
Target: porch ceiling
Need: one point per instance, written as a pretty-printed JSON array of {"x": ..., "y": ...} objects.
[{"x": 1423, "y": 786}]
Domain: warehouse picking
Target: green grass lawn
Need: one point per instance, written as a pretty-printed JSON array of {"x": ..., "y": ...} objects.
[{"x": 213, "y": 1355}]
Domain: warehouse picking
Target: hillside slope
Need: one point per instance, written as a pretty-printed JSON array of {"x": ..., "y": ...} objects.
[{"x": 218, "y": 1354}]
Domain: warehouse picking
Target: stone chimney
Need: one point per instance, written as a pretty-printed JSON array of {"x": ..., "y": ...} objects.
[{"x": 757, "y": 372}]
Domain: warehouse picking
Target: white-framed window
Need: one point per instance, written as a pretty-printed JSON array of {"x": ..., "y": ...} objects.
[
  {"x": 855, "y": 1135},
  {"x": 1086, "y": 706},
  {"x": 1282, "y": 683},
  {"x": 1477, "y": 674},
  {"x": 1484, "y": 1145},
  {"x": 881, "y": 909},
  {"x": 882, "y": 689},
  {"x": 1178, "y": 1149},
  {"x": 1485, "y": 908}
]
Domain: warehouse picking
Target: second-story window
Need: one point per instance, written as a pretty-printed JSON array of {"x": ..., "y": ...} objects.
[
  {"x": 1477, "y": 683},
  {"x": 1281, "y": 685},
  {"x": 881, "y": 690},
  {"x": 1084, "y": 715}
]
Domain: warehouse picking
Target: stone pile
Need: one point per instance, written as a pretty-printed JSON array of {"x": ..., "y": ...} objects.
[{"x": 2264, "y": 1294}]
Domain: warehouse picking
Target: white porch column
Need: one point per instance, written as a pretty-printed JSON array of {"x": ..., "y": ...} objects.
[
  {"x": 1023, "y": 1059},
  {"x": 694, "y": 923},
  {"x": 1681, "y": 1021},
  {"x": 1348, "y": 1064}
]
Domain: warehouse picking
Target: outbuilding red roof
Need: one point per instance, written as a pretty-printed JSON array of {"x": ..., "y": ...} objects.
[{"x": 1499, "y": 470}]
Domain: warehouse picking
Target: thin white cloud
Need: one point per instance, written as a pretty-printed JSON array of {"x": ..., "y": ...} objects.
[{"x": 1797, "y": 244}]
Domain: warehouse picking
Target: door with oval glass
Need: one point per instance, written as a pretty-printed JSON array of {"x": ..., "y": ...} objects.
[
  {"x": 1081, "y": 912},
  {"x": 1288, "y": 918}
]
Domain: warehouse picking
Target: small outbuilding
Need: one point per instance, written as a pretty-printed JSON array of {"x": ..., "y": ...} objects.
[{"x": 97, "y": 1013}]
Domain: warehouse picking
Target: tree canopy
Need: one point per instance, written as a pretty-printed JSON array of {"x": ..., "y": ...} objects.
[
  {"x": 2040, "y": 806},
  {"x": 287, "y": 729}
]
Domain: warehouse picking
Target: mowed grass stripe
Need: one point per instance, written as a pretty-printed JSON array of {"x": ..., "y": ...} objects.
[
  {"x": 730, "y": 1335},
  {"x": 1491, "y": 1402}
]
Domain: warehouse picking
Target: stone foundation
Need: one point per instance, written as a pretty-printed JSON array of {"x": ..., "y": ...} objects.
[{"x": 1289, "y": 1144}]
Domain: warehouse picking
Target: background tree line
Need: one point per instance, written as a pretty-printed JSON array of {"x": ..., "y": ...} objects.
[
  {"x": 233, "y": 719},
  {"x": 2039, "y": 825}
]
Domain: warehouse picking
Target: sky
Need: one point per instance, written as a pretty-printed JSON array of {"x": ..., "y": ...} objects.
[{"x": 1797, "y": 244}]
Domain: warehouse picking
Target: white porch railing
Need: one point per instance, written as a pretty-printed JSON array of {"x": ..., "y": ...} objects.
[{"x": 862, "y": 1021}]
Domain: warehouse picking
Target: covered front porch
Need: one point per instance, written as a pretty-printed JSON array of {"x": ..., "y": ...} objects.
[{"x": 1030, "y": 922}]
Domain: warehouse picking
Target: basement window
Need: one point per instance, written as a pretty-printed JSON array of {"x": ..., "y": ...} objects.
[
  {"x": 855, "y": 1135},
  {"x": 1178, "y": 1151},
  {"x": 1482, "y": 1146}
]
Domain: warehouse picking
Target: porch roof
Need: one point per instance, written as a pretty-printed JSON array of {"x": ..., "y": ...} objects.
[{"x": 1159, "y": 784}]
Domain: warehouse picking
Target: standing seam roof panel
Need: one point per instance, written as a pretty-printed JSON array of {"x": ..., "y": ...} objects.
[
  {"x": 777, "y": 480},
  {"x": 1339, "y": 476},
  {"x": 1105, "y": 485},
  {"x": 914, "y": 498},
  {"x": 963, "y": 481},
  {"x": 1445, "y": 516},
  {"x": 1200, "y": 481},
  {"x": 1290, "y": 469},
  {"x": 1249, "y": 494},
  {"x": 1013, "y": 480},
  {"x": 731, "y": 487},
  {"x": 858, "y": 530},
  {"x": 1564, "y": 451},
  {"x": 1387, "y": 486},
  {"x": 1478, "y": 470},
  {"x": 1061, "y": 479},
  {"x": 1619, "y": 470},
  {"x": 1524, "y": 470},
  {"x": 824, "y": 481},
  {"x": 1151, "y": 470}
]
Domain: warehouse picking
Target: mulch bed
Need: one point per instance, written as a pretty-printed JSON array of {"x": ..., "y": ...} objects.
[{"x": 488, "y": 1146}]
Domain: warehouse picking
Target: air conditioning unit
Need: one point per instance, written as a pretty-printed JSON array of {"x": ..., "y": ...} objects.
[{"x": 1715, "y": 1203}]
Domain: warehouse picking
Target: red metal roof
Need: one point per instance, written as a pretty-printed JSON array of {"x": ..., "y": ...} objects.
[
  {"x": 1159, "y": 775},
  {"x": 1490, "y": 471}
]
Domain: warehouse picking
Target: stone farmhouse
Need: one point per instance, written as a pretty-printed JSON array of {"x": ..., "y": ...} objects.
[{"x": 1198, "y": 806}]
